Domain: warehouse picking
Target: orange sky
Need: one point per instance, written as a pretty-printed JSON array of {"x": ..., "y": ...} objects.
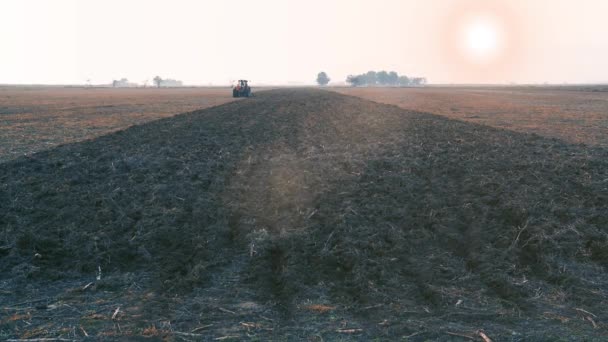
[{"x": 283, "y": 41}]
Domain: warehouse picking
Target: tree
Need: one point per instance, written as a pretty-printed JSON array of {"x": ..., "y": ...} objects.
[
  {"x": 382, "y": 77},
  {"x": 393, "y": 78},
  {"x": 404, "y": 81},
  {"x": 121, "y": 83},
  {"x": 158, "y": 81},
  {"x": 370, "y": 78},
  {"x": 169, "y": 82},
  {"x": 418, "y": 81},
  {"x": 355, "y": 80},
  {"x": 322, "y": 78}
]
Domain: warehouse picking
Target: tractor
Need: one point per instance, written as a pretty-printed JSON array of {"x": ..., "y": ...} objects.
[{"x": 242, "y": 89}]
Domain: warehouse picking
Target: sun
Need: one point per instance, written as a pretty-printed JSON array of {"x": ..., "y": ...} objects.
[{"x": 481, "y": 39}]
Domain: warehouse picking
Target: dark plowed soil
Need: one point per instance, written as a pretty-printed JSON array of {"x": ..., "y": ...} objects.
[{"x": 304, "y": 214}]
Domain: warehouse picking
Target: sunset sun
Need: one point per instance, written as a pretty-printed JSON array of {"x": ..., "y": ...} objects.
[{"x": 481, "y": 39}]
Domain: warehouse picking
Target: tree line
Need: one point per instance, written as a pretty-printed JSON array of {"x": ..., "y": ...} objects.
[
  {"x": 383, "y": 78},
  {"x": 158, "y": 81},
  {"x": 376, "y": 78},
  {"x": 166, "y": 82}
]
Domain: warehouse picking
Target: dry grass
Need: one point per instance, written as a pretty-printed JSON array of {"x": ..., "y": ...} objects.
[
  {"x": 573, "y": 114},
  {"x": 37, "y": 118}
]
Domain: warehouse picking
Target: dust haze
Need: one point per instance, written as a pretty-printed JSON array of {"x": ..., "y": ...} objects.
[
  {"x": 273, "y": 170},
  {"x": 288, "y": 42}
]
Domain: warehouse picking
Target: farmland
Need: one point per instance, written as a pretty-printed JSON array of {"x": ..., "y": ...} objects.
[
  {"x": 573, "y": 114},
  {"x": 38, "y": 118},
  {"x": 304, "y": 214}
]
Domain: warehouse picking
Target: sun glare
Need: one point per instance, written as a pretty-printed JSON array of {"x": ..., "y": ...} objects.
[{"x": 481, "y": 40}]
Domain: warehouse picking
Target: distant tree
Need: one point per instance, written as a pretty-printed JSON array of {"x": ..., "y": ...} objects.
[
  {"x": 371, "y": 78},
  {"x": 404, "y": 81},
  {"x": 322, "y": 78},
  {"x": 382, "y": 77},
  {"x": 418, "y": 81},
  {"x": 123, "y": 82},
  {"x": 355, "y": 80},
  {"x": 168, "y": 82},
  {"x": 393, "y": 78},
  {"x": 158, "y": 81}
]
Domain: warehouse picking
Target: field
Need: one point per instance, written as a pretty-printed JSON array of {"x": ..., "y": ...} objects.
[
  {"x": 573, "y": 114},
  {"x": 305, "y": 214},
  {"x": 38, "y": 118}
]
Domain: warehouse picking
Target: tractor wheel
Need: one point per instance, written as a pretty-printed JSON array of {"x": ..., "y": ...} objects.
[{"x": 235, "y": 93}]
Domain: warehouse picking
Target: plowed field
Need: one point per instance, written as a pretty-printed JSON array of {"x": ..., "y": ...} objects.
[
  {"x": 306, "y": 215},
  {"x": 38, "y": 118},
  {"x": 574, "y": 114}
]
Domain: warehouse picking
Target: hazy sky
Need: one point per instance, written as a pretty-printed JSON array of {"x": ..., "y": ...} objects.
[{"x": 281, "y": 41}]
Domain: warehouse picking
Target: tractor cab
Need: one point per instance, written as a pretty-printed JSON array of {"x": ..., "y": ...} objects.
[{"x": 241, "y": 89}]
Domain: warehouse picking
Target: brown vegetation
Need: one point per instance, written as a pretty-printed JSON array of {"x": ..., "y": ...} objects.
[
  {"x": 37, "y": 118},
  {"x": 574, "y": 114}
]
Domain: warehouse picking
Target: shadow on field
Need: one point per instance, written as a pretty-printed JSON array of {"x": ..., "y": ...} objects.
[{"x": 325, "y": 212}]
